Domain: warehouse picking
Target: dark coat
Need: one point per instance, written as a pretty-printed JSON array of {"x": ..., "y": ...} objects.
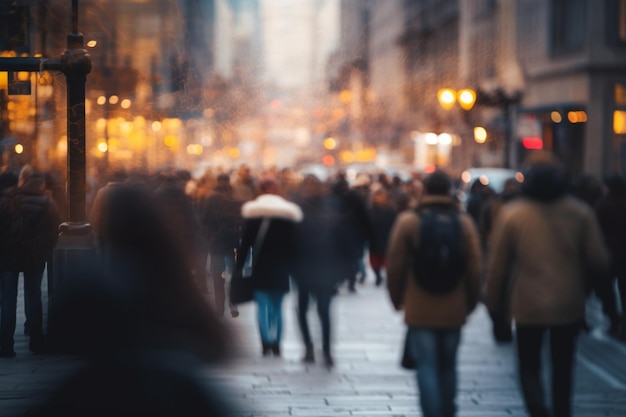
[
  {"x": 321, "y": 262},
  {"x": 611, "y": 214},
  {"x": 221, "y": 220},
  {"x": 382, "y": 217},
  {"x": 274, "y": 261},
  {"x": 354, "y": 223},
  {"x": 33, "y": 220}
]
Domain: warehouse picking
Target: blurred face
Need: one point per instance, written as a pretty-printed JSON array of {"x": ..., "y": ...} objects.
[{"x": 244, "y": 172}]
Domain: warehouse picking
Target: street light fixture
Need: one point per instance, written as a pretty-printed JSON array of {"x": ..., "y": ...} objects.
[{"x": 447, "y": 97}]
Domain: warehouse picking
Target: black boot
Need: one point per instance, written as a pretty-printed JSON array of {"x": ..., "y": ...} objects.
[
  {"x": 275, "y": 349},
  {"x": 328, "y": 359},
  {"x": 309, "y": 355},
  {"x": 267, "y": 349}
]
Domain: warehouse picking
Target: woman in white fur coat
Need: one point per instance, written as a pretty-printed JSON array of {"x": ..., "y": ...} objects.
[{"x": 274, "y": 261}]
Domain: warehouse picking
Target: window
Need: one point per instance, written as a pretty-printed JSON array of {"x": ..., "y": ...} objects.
[
  {"x": 569, "y": 26},
  {"x": 616, "y": 22},
  {"x": 618, "y": 154}
]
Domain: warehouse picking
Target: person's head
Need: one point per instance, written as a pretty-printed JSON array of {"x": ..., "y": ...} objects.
[
  {"x": 223, "y": 183},
  {"x": 269, "y": 185},
  {"x": 438, "y": 183},
  {"x": 616, "y": 185},
  {"x": 311, "y": 186},
  {"x": 544, "y": 179},
  {"x": 244, "y": 172},
  {"x": 511, "y": 185},
  {"x": 588, "y": 188}
]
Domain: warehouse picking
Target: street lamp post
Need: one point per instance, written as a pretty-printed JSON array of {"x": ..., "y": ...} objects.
[
  {"x": 75, "y": 63},
  {"x": 505, "y": 101},
  {"x": 467, "y": 98},
  {"x": 74, "y": 247}
]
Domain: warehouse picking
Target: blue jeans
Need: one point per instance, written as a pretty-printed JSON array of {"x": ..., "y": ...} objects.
[
  {"x": 435, "y": 351},
  {"x": 9, "y": 280},
  {"x": 270, "y": 315}
]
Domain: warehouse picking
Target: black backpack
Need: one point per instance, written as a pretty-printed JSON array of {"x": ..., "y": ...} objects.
[{"x": 439, "y": 262}]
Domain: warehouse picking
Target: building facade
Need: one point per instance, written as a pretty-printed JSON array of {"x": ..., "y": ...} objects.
[{"x": 547, "y": 73}]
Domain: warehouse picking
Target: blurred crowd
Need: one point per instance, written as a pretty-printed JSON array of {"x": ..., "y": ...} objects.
[{"x": 165, "y": 241}]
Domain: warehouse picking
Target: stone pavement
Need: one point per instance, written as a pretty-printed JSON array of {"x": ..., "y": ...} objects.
[{"x": 367, "y": 379}]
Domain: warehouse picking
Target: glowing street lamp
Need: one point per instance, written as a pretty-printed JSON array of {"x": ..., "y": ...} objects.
[
  {"x": 467, "y": 98},
  {"x": 447, "y": 97},
  {"x": 480, "y": 134}
]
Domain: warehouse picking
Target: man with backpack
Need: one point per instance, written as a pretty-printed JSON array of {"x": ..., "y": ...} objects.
[
  {"x": 433, "y": 274},
  {"x": 32, "y": 219}
]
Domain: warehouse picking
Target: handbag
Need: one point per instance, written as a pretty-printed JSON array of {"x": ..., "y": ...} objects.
[{"x": 241, "y": 283}]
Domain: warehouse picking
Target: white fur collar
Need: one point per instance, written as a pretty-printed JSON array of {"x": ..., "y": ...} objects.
[{"x": 271, "y": 205}]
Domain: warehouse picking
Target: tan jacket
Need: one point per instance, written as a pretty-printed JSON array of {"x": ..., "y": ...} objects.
[
  {"x": 540, "y": 255},
  {"x": 421, "y": 308}
]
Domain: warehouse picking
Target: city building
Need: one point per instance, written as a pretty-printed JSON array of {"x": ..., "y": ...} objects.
[{"x": 546, "y": 74}]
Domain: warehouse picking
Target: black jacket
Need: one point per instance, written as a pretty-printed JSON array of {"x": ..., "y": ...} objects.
[{"x": 274, "y": 260}]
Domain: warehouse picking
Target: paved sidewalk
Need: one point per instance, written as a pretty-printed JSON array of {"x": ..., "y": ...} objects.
[{"x": 367, "y": 379}]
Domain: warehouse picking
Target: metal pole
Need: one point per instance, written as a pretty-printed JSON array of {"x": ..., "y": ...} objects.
[
  {"x": 77, "y": 64},
  {"x": 507, "y": 132}
]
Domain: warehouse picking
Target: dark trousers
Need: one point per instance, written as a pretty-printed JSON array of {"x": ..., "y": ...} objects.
[
  {"x": 220, "y": 264},
  {"x": 562, "y": 350},
  {"x": 322, "y": 299},
  {"x": 9, "y": 281}
]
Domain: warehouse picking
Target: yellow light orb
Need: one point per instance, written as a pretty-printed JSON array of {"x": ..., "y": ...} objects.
[
  {"x": 156, "y": 126},
  {"x": 101, "y": 100},
  {"x": 103, "y": 147},
  {"x": 556, "y": 117},
  {"x": 125, "y": 104},
  {"x": 234, "y": 153},
  {"x": 330, "y": 143},
  {"x": 19, "y": 148},
  {"x": 447, "y": 97},
  {"x": 92, "y": 43},
  {"x": 467, "y": 98},
  {"x": 114, "y": 99},
  {"x": 480, "y": 134}
]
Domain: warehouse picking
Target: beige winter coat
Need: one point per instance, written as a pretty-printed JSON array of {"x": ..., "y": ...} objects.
[
  {"x": 421, "y": 308},
  {"x": 539, "y": 256}
]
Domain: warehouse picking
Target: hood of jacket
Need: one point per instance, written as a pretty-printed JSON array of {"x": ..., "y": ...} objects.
[
  {"x": 442, "y": 201},
  {"x": 271, "y": 205}
]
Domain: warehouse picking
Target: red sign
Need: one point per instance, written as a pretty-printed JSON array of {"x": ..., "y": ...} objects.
[{"x": 532, "y": 143}]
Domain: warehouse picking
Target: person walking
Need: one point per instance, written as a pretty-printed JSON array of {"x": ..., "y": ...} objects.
[
  {"x": 434, "y": 313},
  {"x": 220, "y": 215},
  {"x": 383, "y": 216},
  {"x": 33, "y": 220},
  {"x": 143, "y": 335},
  {"x": 320, "y": 264},
  {"x": 269, "y": 230},
  {"x": 611, "y": 212},
  {"x": 355, "y": 231},
  {"x": 544, "y": 248}
]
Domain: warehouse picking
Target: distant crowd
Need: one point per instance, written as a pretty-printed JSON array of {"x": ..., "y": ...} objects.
[{"x": 161, "y": 239}]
